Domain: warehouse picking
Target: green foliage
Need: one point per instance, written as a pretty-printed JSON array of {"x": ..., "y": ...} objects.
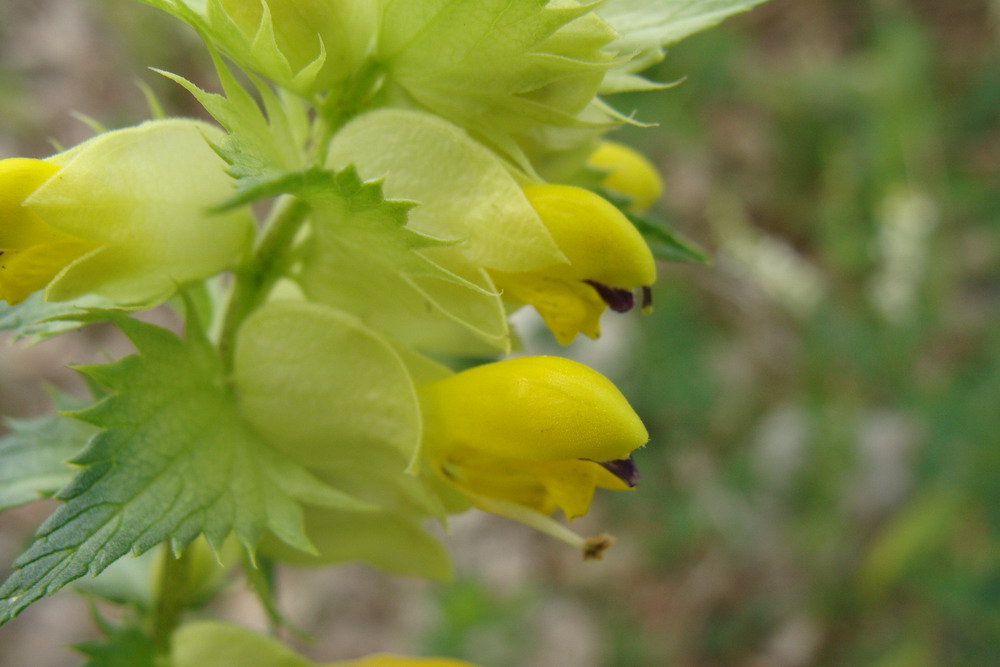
[
  {"x": 174, "y": 461},
  {"x": 847, "y": 451},
  {"x": 35, "y": 456},
  {"x": 363, "y": 259},
  {"x": 36, "y": 319},
  {"x": 508, "y": 70},
  {"x": 665, "y": 244},
  {"x": 123, "y": 646},
  {"x": 260, "y": 141}
]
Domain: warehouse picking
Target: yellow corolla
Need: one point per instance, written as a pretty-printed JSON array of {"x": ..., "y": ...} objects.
[
  {"x": 608, "y": 258},
  {"x": 31, "y": 252},
  {"x": 628, "y": 173},
  {"x": 531, "y": 433}
]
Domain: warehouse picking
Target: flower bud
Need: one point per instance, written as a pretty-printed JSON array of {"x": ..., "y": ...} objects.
[
  {"x": 607, "y": 259},
  {"x": 628, "y": 173}
]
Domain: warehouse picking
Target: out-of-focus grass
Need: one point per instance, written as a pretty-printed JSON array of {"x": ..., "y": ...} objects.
[
  {"x": 824, "y": 477},
  {"x": 823, "y": 481}
]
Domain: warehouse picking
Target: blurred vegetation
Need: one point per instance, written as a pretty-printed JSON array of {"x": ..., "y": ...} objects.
[{"x": 823, "y": 481}]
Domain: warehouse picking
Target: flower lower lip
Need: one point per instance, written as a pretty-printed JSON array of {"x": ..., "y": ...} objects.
[{"x": 618, "y": 299}]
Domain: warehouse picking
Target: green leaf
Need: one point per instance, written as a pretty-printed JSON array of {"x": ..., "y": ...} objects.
[
  {"x": 122, "y": 646},
  {"x": 127, "y": 581},
  {"x": 175, "y": 460},
  {"x": 37, "y": 319},
  {"x": 33, "y": 457},
  {"x": 663, "y": 243},
  {"x": 667, "y": 245},
  {"x": 260, "y": 141}
]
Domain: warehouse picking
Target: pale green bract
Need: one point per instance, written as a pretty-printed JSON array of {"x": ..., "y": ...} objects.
[
  {"x": 522, "y": 76},
  {"x": 463, "y": 191},
  {"x": 362, "y": 257},
  {"x": 307, "y": 49},
  {"x": 646, "y": 26},
  {"x": 143, "y": 194},
  {"x": 330, "y": 393},
  {"x": 295, "y": 359},
  {"x": 651, "y": 24}
]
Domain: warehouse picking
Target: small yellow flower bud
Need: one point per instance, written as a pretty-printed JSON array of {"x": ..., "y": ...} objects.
[
  {"x": 607, "y": 259},
  {"x": 629, "y": 173}
]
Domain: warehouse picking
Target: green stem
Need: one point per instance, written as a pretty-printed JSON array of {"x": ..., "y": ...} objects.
[
  {"x": 255, "y": 281},
  {"x": 172, "y": 594}
]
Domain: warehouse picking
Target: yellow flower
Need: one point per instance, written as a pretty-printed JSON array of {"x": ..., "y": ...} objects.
[
  {"x": 526, "y": 436},
  {"x": 608, "y": 258},
  {"x": 31, "y": 252},
  {"x": 628, "y": 173}
]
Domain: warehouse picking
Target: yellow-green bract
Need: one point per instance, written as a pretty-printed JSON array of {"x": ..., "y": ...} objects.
[{"x": 124, "y": 216}]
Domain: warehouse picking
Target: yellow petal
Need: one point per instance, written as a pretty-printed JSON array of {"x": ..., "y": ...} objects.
[
  {"x": 607, "y": 258},
  {"x": 567, "y": 307},
  {"x": 629, "y": 173},
  {"x": 531, "y": 408},
  {"x": 25, "y": 271},
  {"x": 599, "y": 241},
  {"x": 19, "y": 227}
]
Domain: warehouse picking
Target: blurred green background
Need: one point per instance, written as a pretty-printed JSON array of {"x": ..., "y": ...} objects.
[{"x": 823, "y": 482}]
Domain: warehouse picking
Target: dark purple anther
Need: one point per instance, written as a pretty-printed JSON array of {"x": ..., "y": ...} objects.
[
  {"x": 618, "y": 300},
  {"x": 623, "y": 469},
  {"x": 647, "y": 298}
]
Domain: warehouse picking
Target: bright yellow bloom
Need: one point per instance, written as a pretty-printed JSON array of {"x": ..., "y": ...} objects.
[
  {"x": 538, "y": 433},
  {"x": 629, "y": 173},
  {"x": 31, "y": 252},
  {"x": 608, "y": 258}
]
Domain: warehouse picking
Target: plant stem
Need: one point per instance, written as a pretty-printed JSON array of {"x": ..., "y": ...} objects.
[
  {"x": 253, "y": 282},
  {"x": 172, "y": 593}
]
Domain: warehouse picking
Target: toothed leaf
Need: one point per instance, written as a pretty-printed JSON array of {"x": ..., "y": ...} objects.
[
  {"x": 174, "y": 460},
  {"x": 34, "y": 457}
]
